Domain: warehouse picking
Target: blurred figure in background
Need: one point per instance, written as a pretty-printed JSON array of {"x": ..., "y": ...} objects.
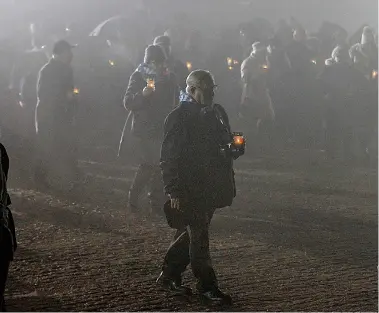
[
  {"x": 279, "y": 67},
  {"x": 174, "y": 65},
  {"x": 304, "y": 118},
  {"x": 345, "y": 96},
  {"x": 151, "y": 94},
  {"x": 23, "y": 83},
  {"x": 365, "y": 53},
  {"x": 55, "y": 122},
  {"x": 194, "y": 54},
  {"x": 256, "y": 107},
  {"x": 365, "y": 58}
]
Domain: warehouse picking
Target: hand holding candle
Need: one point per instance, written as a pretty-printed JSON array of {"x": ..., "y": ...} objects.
[
  {"x": 238, "y": 140},
  {"x": 150, "y": 87},
  {"x": 151, "y": 83},
  {"x": 238, "y": 145}
]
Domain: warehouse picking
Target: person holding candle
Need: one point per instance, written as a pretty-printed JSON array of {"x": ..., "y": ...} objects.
[
  {"x": 57, "y": 165},
  {"x": 151, "y": 94},
  {"x": 197, "y": 165}
]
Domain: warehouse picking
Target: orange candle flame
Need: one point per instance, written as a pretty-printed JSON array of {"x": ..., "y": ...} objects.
[
  {"x": 239, "y": 140},
  {"x": 151, "y": 83}
]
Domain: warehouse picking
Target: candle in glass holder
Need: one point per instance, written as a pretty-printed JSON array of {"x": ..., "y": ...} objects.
[
  {"x": 239, "y": 140},
  {"x": 151, "y": 83}
]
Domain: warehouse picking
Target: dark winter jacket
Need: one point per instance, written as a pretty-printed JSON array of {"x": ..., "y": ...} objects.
[
  {"x": 149, "y": 113},
  {"x": 55, "y": 82},
  {"x": 193, "y": 165}
]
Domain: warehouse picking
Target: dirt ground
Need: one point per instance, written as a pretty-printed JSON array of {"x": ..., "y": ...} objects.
[{"x": 299, "y": 237}]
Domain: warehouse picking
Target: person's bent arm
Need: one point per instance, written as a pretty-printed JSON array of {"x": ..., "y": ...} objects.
[{"x": 172, "y": 147}]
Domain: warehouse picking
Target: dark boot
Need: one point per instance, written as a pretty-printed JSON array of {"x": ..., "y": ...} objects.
[
  {"x": 215, "y": 295},
  {"x": 173, "y": 285}
]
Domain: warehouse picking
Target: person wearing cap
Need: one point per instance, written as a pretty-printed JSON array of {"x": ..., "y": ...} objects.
[
  {"x": 199, "y": 178},
  {"x": 151, "y": 94},
  {"x": 54, "y": 117},
  {"x": 256, "y": 105},
  {"x": 173, "y": 64},
  {"x": 343, "y": 87}
]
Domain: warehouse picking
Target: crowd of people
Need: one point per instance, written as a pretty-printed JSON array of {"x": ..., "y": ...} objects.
[
  {"x": 282, "y": 86},
  {"x": 285, "y": 87}
]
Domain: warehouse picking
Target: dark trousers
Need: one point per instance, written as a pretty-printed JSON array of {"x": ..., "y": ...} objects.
[
  {"x": 191, "y": 246},
  {"x": 148, "y": 175},
  {"x": 4, "y": 267}
]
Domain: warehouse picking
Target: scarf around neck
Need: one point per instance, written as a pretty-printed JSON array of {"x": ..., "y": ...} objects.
[
  {"x": 185, "y": 97},
  {"x": 149, "y": 71}
]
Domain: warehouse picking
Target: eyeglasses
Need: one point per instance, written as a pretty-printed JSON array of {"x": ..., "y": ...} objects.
[{"x": 213, "y": 88}]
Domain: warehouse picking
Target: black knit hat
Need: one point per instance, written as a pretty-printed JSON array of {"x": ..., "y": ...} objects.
[
  {"x": 154, "y": 53},
  {"x": 164, "y": 41}
]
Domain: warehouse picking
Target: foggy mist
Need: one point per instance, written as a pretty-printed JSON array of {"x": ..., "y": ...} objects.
[{"x": 189, "y": 155}]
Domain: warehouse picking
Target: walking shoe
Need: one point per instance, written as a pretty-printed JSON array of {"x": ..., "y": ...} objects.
[
  {"x": 215, "y": 295},
  {"x": 174, "y": 285}
]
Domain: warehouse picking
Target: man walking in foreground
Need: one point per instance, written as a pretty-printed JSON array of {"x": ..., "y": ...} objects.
[{"x": 197, "y": 165}]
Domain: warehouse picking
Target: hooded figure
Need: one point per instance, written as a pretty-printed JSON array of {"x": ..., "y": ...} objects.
[
  {"x": 174, "y": 65},
  {"x": 151, "y": 94},
  {"x": 365, "y": 53}
]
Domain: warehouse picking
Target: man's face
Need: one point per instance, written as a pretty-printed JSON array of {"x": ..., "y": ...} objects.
[{"x": 204, "y": 94}]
